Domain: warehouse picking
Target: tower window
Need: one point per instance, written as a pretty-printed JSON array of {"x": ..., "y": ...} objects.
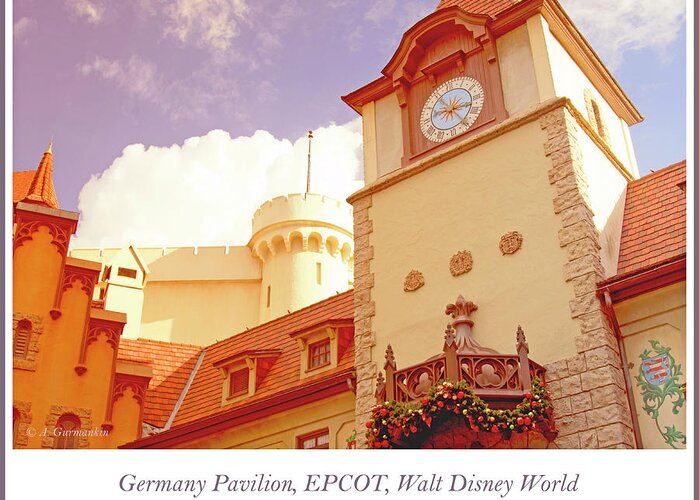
[
  {"x": 320, "y": 354},
  {"x": 23, "y": 332},
  {"x": 268, "y": 295},
  {"x": 318, "y": 273},
  {"x": 238, "y": 382},
  {"x": 67, "y": 432},
  {"x": 595, "y": 117}
]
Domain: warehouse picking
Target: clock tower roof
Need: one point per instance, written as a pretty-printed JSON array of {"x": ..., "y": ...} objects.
[{"x": 484, "y": 7}]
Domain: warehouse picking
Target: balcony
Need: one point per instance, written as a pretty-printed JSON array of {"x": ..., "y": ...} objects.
[{"x": 469, "y": 375}]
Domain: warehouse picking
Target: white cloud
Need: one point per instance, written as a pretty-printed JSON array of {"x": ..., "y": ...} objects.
[
  {"x": 380, "y": 10},
  {"x": 22, "y": 28},
  {"x": 90, "y": 10},
  {"x": 187, "y": 98},
  {"x": 210, "y": 24},
  {"x": 137, "y": 76},
  {"x": 614, "y": 28},
  {"x": 205, "y": 191}
]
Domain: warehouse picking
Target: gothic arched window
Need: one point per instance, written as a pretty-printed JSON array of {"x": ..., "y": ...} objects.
[
  {"x": 66, "y": 432},
  {"x": 23, "y": 333}
]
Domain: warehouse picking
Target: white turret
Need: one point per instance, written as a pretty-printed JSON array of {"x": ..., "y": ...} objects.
[{"x": 306, "y": 247}]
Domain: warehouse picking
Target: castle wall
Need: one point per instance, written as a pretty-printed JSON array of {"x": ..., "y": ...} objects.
[
  {"x": 191, "y": 295},
  {"x": 198, "y": 312}
]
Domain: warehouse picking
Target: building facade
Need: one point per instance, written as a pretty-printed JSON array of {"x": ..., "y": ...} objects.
[{"x": 500, "y": 179}]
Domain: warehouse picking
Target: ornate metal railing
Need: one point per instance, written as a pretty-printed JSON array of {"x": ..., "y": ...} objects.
[{"x": 495, "y": 377}]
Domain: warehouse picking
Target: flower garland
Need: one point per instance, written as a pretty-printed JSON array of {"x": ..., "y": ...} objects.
[{"x": 391, "y": 421}]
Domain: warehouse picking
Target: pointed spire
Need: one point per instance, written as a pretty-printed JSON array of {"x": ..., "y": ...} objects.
[{"x": 41, "y": 191}]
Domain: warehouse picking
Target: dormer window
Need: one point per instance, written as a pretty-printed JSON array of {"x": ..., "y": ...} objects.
[
  {"x": 243, "y": 373},
  {"x": 319, "y": 354},
  {"x": 323, "y": 345},
  {"x": 238, "y": 382}
]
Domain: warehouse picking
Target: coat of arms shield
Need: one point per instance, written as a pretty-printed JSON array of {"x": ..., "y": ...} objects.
[{"x": 656, "y": 369}]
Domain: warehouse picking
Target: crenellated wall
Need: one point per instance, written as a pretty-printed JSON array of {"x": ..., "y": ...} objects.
[{"x": 305, "y": 244}]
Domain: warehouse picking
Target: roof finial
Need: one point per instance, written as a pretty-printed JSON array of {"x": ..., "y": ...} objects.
[
  {"x": 308, "y": 165},
  {"x": 50, "y": 148}
]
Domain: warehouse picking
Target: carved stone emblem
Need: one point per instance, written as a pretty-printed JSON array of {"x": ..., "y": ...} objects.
[
  {"x": 510, "y": 242},
  {"x": 414, "y": 280},
  {"x": 461, "y": 263}
]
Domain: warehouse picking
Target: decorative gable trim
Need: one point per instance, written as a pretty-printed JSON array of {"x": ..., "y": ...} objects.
[
  {"x": 340, "y": 333},
  {"x": 258, "y": 362}
]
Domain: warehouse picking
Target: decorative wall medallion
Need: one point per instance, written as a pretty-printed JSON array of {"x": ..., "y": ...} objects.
[
  {"x": 510, "y": 242},
  {"x": 414, "y": 280},
  {"x": 461, "y": 263},
  {"x": 659, "y": 380}
]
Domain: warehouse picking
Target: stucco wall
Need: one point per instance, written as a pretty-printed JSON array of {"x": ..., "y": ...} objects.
[
  {"x": 48, "y": 384},
  {"x": 281, "y": 431},
  {"x": 191, "y": 295},
  {"x": 198, "y": 312},
  {"x": 517, "y": 70},
  {"x": 660, "y": 316},
  {"x": 389, "y": 138},
  {"x": 468, "y": 203}
]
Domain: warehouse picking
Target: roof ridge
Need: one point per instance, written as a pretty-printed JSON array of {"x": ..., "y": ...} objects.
[
  {"x": 165, "y": 342},
  {"x": 657, "y": 173}
]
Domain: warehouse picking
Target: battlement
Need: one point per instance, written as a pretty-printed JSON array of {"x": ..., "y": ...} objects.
[{"x": 303, "y": 207}]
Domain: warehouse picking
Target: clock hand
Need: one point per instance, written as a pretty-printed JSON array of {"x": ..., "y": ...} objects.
[{"x": 467, "y": 105}]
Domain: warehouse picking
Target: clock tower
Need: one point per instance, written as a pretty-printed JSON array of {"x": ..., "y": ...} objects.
[{"x": 496, "y": 157}]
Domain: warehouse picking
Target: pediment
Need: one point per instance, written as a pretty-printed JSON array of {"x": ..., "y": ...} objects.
[{"x": 416, "y": 42}]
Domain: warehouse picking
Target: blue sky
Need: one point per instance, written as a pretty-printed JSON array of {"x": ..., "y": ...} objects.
[{"x": 103, "y": 78}]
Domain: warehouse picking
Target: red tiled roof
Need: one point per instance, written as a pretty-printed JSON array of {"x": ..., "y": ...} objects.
[
  {"x": 171, "y": 364},
  {"x": 653, "y": 228},
  {"x": 21, "y": 182},
  {"x": 204, "y": 396},
  {"x": 487, "y": 7}
]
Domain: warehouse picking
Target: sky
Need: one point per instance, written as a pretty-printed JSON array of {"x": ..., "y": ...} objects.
[{"x": 172, "y": 120}]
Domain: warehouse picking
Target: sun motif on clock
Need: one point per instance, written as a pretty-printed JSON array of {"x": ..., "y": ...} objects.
[{"x": 451, "y": 109}]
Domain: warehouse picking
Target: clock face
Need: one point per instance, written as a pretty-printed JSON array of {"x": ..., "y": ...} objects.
[{"x": 451, "y": 109}]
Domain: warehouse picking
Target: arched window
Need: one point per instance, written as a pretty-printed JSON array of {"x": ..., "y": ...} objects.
[
  {"x": 15, "y": 426},
  {"x": 600, "y": 126},
  {"x": 66, "y": 432},
  {"x": 23, "y": 332},
  {"x": 595, "y": 116}
]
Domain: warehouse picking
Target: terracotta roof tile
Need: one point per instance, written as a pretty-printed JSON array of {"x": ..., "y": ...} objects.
[
  {"x": 204, "y": 396},
  {"x": 41, "y": 191},
  {"x": 653, "y": 228},
  {"x": 21, "y": 182},
  {"x": 172, "y": 365},
  {"x": 487, "y": 7}
]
